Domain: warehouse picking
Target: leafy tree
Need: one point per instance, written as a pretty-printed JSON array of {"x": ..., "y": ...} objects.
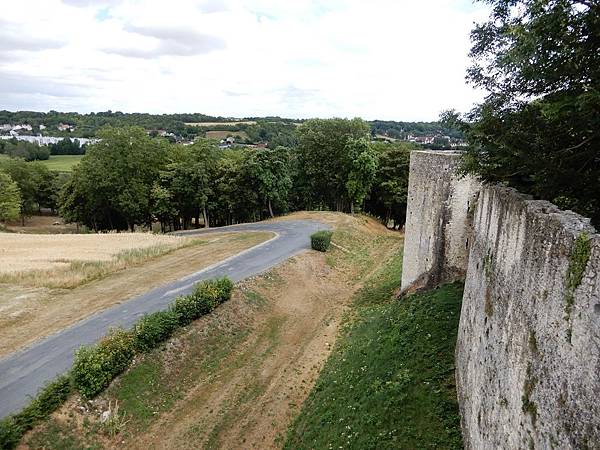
[
  {"x": 539, "y": 128},
  {"x": 22, "y": 173},
  {"x": 187, "y": 177},
  {"x": 270, "y": 169},
  {"x": 363, "y": 165},
  {"x": 26, "y": 150},
  {"x": 10, "y": 198},
  {"x": 67, "y": 146},
  {"x": 324, "y": 163},
  {"x": 111, "y": 187},
  {"x": 163, "y": 207},
  {"x": 388, "y": 196}
]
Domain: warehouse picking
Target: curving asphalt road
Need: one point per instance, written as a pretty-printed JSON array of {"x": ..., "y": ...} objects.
[{"x": 24, "y": 372}]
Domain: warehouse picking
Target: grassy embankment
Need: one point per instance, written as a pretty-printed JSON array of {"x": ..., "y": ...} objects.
[{"x": 389, "y": 382}]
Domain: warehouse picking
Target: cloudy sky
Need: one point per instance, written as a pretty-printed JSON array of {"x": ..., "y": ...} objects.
[{"x": 377, "y": 59}]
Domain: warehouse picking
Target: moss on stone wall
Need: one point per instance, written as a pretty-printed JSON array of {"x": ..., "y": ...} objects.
[{"x": 577, "y": 263}]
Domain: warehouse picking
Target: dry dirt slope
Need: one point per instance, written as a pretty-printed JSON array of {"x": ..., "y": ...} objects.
[{"x": 237, "y": 378}]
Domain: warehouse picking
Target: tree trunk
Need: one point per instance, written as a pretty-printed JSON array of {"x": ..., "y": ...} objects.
[
  {"x": 351, "y": 207},
  {"x": 205, "y": 216},
  {"x": 271, "y": 209}
]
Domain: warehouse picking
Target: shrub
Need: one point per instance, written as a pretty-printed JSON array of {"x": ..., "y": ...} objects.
[
  {"x": 10, "y": 433},
  {"x": 95, "y": 367},
  {"x": 185, "y": 309},
  {"x": 207, "y": 295},
  {"x": 48, "y": 400},
  {"x": 155, "y": 328},
  {"x": 321, "y": 240}
]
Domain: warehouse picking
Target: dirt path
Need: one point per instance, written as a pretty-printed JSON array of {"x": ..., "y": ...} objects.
[{"x": 28, "y": 314}]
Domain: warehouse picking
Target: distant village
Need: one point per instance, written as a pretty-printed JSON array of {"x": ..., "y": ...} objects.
[
  {"x": 22, "y": 132},
  {"x": 26, "y": 132}
]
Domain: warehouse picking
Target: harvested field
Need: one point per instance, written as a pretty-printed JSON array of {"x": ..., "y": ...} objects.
[
  {"x": 25, "y": 252},
  {"x": 30, "y": 309},
  {"x": 221, "y": 124},
  {"x": 225, "y": 134}
]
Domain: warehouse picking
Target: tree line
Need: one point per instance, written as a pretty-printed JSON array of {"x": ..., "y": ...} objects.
[
  {"x": 31, "y": 151},
  {"x": 130, "y": 179},
  {"x": 274, "y": 131},
  {"x": 27, "y": 187}
]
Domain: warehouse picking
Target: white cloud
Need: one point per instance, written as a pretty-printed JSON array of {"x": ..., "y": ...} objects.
[{"x": 380, "y": 59}]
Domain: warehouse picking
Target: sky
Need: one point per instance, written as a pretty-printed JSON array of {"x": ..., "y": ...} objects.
[{"x": 376, "y": 59}]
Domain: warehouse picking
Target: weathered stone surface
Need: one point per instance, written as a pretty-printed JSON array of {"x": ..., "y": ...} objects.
[
  {"x": 528, "y": 350},
  {"x": 436, "y": 233}
]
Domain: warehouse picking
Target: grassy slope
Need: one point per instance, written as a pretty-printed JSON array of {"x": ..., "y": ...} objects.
[
  {"x": 62, "y": 163},
  {"x": 389, "y": 382}
]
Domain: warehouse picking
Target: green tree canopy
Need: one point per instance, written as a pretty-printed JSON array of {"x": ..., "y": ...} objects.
[
  {"x": 325, "y": 163},
  {"x": 10, "y": 198},
  {"x": 29, "y": 178},
  {"x": 111, "y": 187},
  {"x": 271, "y": 171},
  {"x": 539, "y": 128},
  {"x": 387, "y": 199}
]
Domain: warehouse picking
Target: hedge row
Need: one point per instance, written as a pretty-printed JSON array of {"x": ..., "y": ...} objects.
[
  {"x": 321, "y": 240},
  {"x": 96, "y": 366},
  {"x": 12, "y": 428}
]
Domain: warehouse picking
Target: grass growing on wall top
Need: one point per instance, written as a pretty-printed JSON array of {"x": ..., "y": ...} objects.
[{"x": 389, "y": 382}]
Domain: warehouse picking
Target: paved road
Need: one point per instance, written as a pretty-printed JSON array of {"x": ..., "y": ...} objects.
[{"x": 23, "y": 373}]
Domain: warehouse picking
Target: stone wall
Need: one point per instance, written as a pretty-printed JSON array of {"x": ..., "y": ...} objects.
[
  {"x": 528, "y": 350},
  {"x": 436, "y": 232}
]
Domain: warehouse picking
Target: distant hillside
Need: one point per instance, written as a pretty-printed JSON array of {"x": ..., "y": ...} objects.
[
  {"x": 188, "y": 126},
  {"x": 403, "y": 130}
]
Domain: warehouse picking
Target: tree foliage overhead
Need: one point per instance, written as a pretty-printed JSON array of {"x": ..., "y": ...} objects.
[{"x": 539, "y": 127}]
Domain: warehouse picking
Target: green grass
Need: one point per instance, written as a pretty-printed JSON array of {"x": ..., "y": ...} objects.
[
  {"x": 62, "y": 163},
  {"x": 389, "y": 382}
]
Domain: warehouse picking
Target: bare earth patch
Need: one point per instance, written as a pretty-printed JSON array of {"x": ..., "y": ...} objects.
[
  {"x": 30, "y": 313},
  {"x": 41, "y": 224}
]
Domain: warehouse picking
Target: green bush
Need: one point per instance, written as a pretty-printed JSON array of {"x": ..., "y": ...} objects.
[
  {"x": 155, "y": 328},
  {"x": 207, "y": 295},
  {"x": 95, "y": 367},
  {"x": 185, "y": 309},
  {"x": 321, "y": 240},
  {"x": 48, "y": 400}
]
